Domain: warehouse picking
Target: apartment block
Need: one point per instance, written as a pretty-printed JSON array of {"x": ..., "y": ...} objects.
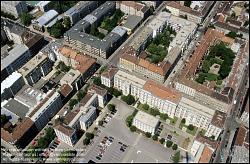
[
  {"x": 11, "y": 85},
  {"x": 66, "y": 134},
  {"x": 73, "y": 78},
  {"x": 15, "y": 59},
  {"x": 80, "y": 10},
  {"x": 46, "y": 109},
  {"x": 128, "y": 84},
  {"x": 107, "y": 77},
  {"x": 39, "y": 66},
  {"x": 82, "y": 115},
  {"x": 217, "y": 125},
  {"x": 133, "y": 8},
  {"x": 145, "y": 122},
  {"x": 15, "y": 8},
  {"x": 88, "y": 117},
  {"x": 85, "y": 64},
  {"x": 193, "y": 13}
]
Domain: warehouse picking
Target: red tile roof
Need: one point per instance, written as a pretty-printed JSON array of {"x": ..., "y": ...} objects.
[
  {"x": 65, "y": 129},
  {"x": 162, "y": 91},
  {"x": 110, "y": 72},
  {"x": 242, "y": 138},
  {"x": 206, "y": 155},
  {"x": 20, "y": 129}
]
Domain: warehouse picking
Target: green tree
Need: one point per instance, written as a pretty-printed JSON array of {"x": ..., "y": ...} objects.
[
  {"x": 26, "y": 18},
  {"x": 212, "y": 137},
  {"x": 132, "y": 128},
  {"x": 169, "y": 143},
  {"x": 42, "y": 143},
  {"x": 97, "y": 81},
  {"x": 183, "y": 120},
  {"x": 129, "y": 120},
  {"x": 80, "y": 95},
  {"x": 190, "y": 127},
  {"x": 232, "y": 34},
  {"x": 67, "y": 23},
  {"x": 111, "y": 107},
  {"x": 129, "y": 99},
  {"x": 86, "y": 141},
  {"x": 89, "y": 135},
  {"x": 72, "y": 102},
  {"x": 187, "y": 3},
  {"x": 164, "y": 116},
  {"x": 175, "y": 147},
  {"x": 145, "y": 106},
  {"x": 201, "y": 78},
  {"x": 176, "y": 158},
  {"x": 206, "y": 66},
  {"x": 117, "y": 93},
  {"x": 162, "y": 140},
  {"x": 100, "y": 122},
  {"x": 4, "y": 119},
  {"x": 155, "y": 137},
  {"x": 148, "y": 134}
]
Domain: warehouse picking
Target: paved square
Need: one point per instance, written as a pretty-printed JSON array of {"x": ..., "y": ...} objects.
[{"x": 140, "y": 148}]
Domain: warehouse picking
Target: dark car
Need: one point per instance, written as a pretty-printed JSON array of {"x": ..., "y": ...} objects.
[{"x": 97, "y": 157}]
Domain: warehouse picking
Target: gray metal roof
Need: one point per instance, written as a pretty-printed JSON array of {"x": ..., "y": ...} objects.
[
  {"x": 14, "y": 54},
  {"x": 103, "y": 9},
  {"x": 132, "y": 21},
  {"x": 16, "y": 107},
  {"x": 119, "y": 30},
  {"x": 47, "y": 17},
  {"x": 90, "y": 18}
]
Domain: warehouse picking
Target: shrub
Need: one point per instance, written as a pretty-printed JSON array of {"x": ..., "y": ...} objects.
[
  {"x": 183, "y": 121},
  {"x": 169, "y": 143},
  {"x": 174, "y": 147},
  {"x": 132, "y": 128},
  {"x": 72, "y": 102},
  {"x": 148, "y": 134},
  {"x": 116, "y": 93}
]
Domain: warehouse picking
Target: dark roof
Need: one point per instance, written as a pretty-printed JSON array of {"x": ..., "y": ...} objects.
[
  {"x": 226, "y": 26},
  {"x": 17, "y": 108}
]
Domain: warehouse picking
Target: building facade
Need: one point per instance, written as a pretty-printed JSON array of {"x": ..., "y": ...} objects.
[
  {"x": 16, "y": 8},
  {"x": 87, "y": 119},
  {"x": 46, "y": 109}
]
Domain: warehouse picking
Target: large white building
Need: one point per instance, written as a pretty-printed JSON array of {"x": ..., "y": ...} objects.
[
  {"x": 66, "y": 134},
  {"x": 107, "y": 77},
  {"x": 88, "y": 117},
  {"x": 145, "y": 122},
  {"x": 46, "y": 109},
  {"x": 128, "y": 84},
  {"x": 155, "y": 95}
]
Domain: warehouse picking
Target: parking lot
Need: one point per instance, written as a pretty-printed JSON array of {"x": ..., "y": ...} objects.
[{"x": 139, "y": 148}]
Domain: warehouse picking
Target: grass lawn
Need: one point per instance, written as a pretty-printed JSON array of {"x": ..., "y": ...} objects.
[{"x": 173, "y": 120}]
